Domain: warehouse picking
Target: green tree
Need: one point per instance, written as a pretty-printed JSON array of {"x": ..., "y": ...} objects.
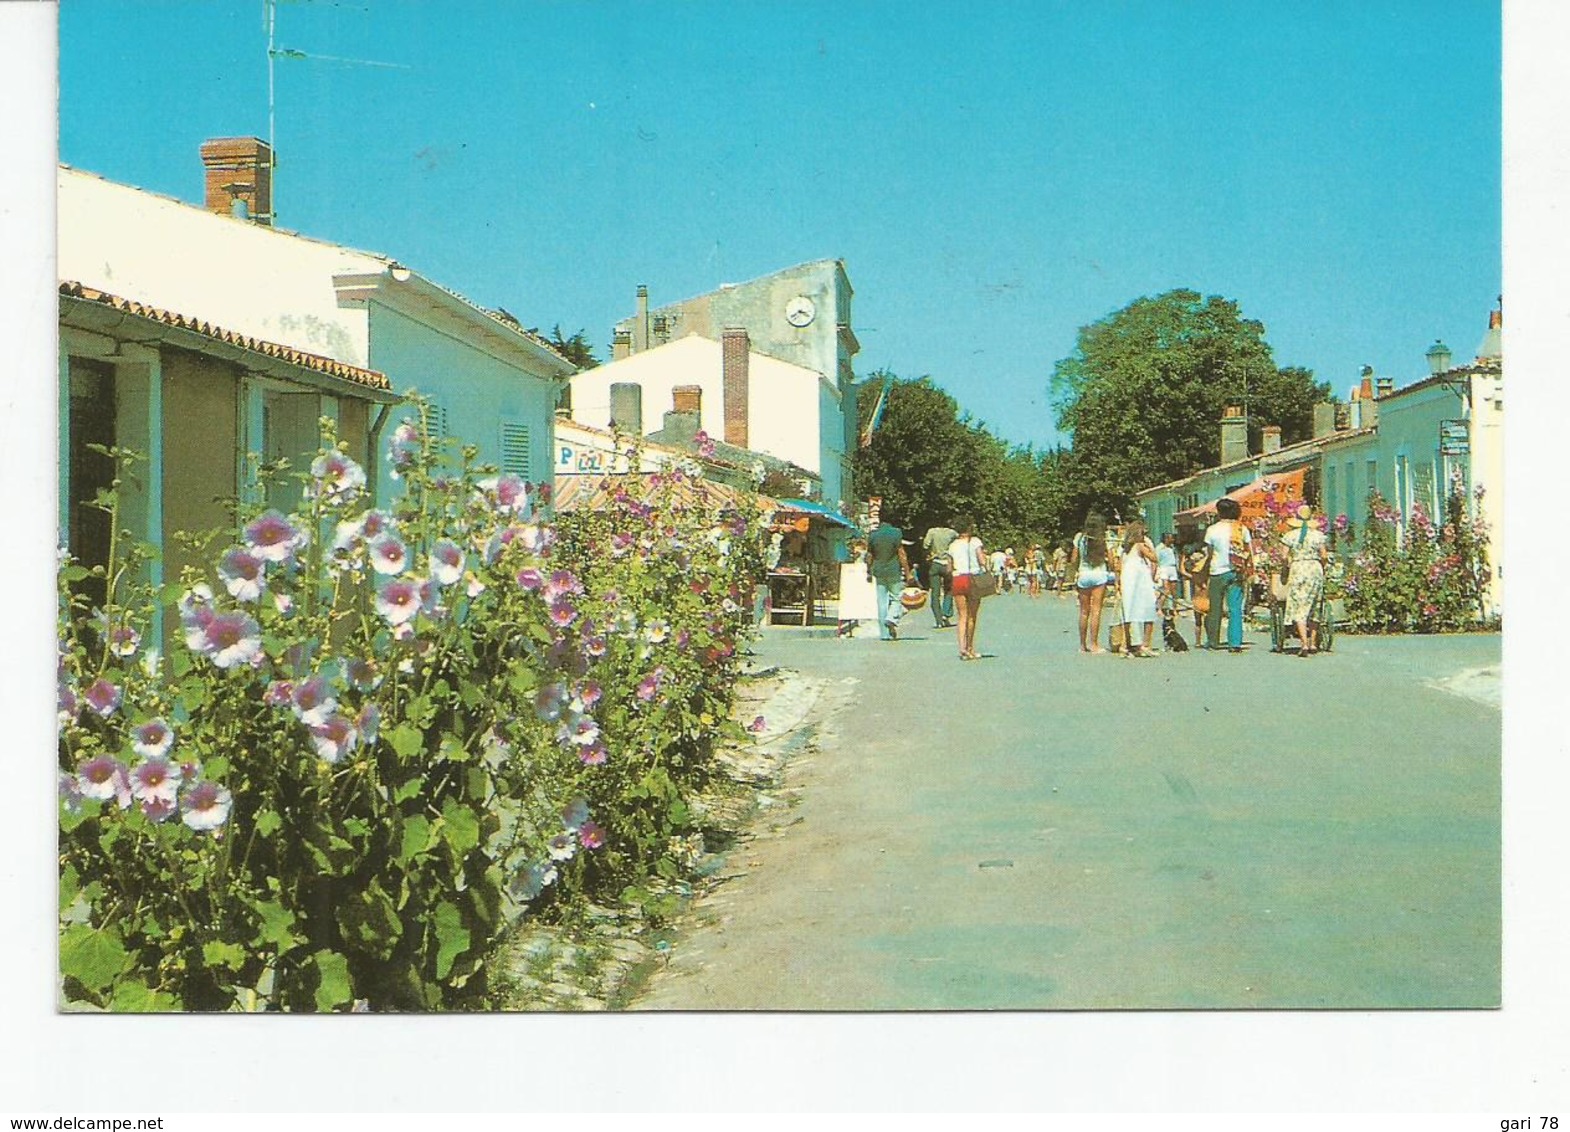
[{"x": 1143, "y": 393}]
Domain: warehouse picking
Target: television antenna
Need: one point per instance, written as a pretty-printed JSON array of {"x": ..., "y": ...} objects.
[{"x": 274, "y": 53}]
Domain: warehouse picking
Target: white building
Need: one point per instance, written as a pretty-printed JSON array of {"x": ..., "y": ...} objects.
[{"x": 743, "y": 398}]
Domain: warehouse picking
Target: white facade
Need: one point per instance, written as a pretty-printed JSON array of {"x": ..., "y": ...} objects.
[
  {"x": 793, "y": 413},
  {"x": 489, "y": 383},
  {"x": 579, "y": 450}
]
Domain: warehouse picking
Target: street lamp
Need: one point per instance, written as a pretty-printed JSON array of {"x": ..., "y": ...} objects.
[{"x": 1438, "y": 356}]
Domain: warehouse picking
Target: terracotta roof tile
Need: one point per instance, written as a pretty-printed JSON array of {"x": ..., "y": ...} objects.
[{"x": 371, "y": 379}]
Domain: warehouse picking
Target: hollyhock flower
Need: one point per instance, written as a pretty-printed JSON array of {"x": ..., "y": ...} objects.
[
  {"x": 705, "y": 444},
  {"x": 562, "y": 582},
  {"x": 581, "y": 731},
  {"x": 593, "y": 755},
  {"x": 313, "y": 701},
  {"x": 562, "y": 847},
  {"x": 152, "y": 739},
  {"x": 509, "y": 491},
  {"x": 549, "y": 701},
  {"x": 158, "y": 809},
  {"x": 334, "y": 737},
  {"x": 591, "y": 835},
  {"x": 472, "y": 584},
  {"x": 368, "y": 723},
  {"x": 575, "y": 813},
  {"x": 71, "y": 792},
  {"x": 243, "y": 574},
  {"x": 403, "y": 448},
  {"x": 190, "y": 770},
  {"x": 103, "y": 697},
  {"x": 272, "y": 538},
  {"x": 283, "y": 603},
  {"x": 388, "y": 554},
  {"x": 230, "y": 639},
  {"x": 683, "y": 638},
  {"x": 620, "y": 544},
  {"x": 590, "y": 692},
  {"x": 657, "y": 631},
  {"x": 594, "y": 647},
  {"x": 446, "y": 562},
  {"x": 375, "y": 524},
  {"x": 155, "y": 778},
  {"x": 530, "y": 579},
  {"x": 562, "y": 613},
  {"x": 626, "y": 622},
  {"x": 362, "y": 675},
  {"x": 100, "y": 777},
  {"x": 280, "y": 693},
  {"x": 205, "y": 806},
  {"x": 398, "y": 601},
  {"x": 66, "y": 703},
  {"x": 648, "y": 687},
  {"x": 337, "y": 476},
  {"x": 124, "y": 641},
  {"x": 757, "y": 725},
  {"x": 532, "y": 881}
]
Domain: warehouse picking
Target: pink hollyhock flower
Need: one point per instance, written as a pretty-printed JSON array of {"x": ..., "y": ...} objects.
[
  {"x": 337, "y": 476},
  {"x": 313, "y": 701},
  {"x": 362, "y": 674},
  {"x": 272, "y": 538},
  {"x": 206, "y": 806},
  {"x": 334, "y": 737},
  {"x": 66, "y": 703},
  {"x": 562, "y": 582},
  {"x": 158, "y": 809},
  {"x": 398, "y": 601},
  {"x": 103, "y": 697},
  {"x": 71, "y": 792},
  {"x": 648, "y": 687},
  {"x": 589, "y": 692},
  {"x": 594, "y": 647},
  {"x": 529, "y": 578},
  {"x": 243, "y": 574},
  {"x": 509, "y": 491},
  {"x": 152, "y": 739},
  {"x": 388, "y": 554},
  {"x": 124, "y": 641},
  {"x": 280, "y": 693},
  {"x": 403, "y": 448},
  {"x": 594, "y": 755},
  {"x": 155, "y": 779},
  {"x": 590, "y": 835},
  {"x": 562, "y": 613},
  {"x": 620, "y": 544},
  {"x": 447, "y": 562},
  {"x": 757, "y": 725},
  {"x": 231, "y": 639},
  {"x": 100, "y": 778}
]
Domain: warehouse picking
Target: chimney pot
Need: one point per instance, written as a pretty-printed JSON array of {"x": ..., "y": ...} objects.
[{"x": 640, "y": 323}]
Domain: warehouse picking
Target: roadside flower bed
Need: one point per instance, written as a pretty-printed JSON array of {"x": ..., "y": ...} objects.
[
  {"x": 1429, "y": 578},
  {"x": 381, "y": 738}
]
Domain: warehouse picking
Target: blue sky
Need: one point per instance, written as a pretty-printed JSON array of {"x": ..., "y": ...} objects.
[{"x": 995, "y": 176}]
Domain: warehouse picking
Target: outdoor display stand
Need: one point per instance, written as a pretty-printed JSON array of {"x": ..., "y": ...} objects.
[{"x": 807, "y": 572}]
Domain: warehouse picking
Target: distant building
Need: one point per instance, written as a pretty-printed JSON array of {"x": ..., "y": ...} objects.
[
  {"x": 1411, "y": 445},
  {"x": 801, "y": 315}
]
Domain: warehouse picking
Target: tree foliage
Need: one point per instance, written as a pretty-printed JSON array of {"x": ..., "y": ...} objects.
[
  {"x": 1143, "y": 393},
  {"x": 930, "y": 463}
]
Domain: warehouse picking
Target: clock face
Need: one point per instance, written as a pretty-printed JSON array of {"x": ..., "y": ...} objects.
[{"x": 800, "y": 311}]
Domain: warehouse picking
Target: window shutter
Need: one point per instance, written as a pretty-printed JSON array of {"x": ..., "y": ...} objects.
[{"x": 516, "y": 449}]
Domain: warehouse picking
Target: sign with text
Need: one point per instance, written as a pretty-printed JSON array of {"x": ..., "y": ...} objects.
[{"x": 1455, "y": 438}]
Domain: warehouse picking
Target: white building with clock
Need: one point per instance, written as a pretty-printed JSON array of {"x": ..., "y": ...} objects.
[{"x": 801, "y": 403}]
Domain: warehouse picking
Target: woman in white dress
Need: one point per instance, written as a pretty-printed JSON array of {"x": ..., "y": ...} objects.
[
  {"x": 1138, "y": 587},
  {"x": 858, "y": 595}
]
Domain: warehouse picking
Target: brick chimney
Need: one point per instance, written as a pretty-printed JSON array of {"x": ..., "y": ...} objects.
[
  {"x": 687, "y": 399},
  {"x": 734, "y": 349},
  {"x": 1234, "y": 434},
  {"x": 640, "y": 322},
  {"x": 239, "y": 178},
  {"x": 1272, "y": 439}
]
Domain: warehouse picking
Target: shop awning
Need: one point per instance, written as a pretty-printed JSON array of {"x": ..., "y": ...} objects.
[
  {"x": 816, "y": 510},
  {"x": 1254, "y": 498}
]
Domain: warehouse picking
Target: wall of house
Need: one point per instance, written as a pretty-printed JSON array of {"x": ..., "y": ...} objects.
[
  {"x": 239, "y": 275},
  {"x": 201, "y": 442},
  {"x": 831, "y": 447},
  {"x": 1488, "y": 471},
  {"x": 505, "y": 411},
  {"x": 1412, "y": 471}
]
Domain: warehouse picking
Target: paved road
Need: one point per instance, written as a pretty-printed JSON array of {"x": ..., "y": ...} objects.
[{"x": 1042, "y": 829}]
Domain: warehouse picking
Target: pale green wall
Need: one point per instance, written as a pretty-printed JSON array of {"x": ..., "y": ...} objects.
[{"x": 200, "y": 442}]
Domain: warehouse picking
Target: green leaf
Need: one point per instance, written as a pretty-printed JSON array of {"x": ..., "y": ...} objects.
[
  {"x": 460, "y": 827},
  {"x": 368, "y": 919},
  {"x": 407, "y": 740},
  {"x": 277, "y": 927},
  {"x": 268, "y": 822},
  {"x": 219, "y": 954},
  {"x": 334, "y": 988},
  {"x": 409, "y": 789},
  {"x": 416, "y": 838},
  {"x": 93, "y": 957},
  {"x": 135, "y": 997},
  {"x": 452, "y": 751},
  {"x": 452, "y": 938}
]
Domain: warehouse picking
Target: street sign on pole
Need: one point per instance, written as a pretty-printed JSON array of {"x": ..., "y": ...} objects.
[{"x": 1454, "y": 438}]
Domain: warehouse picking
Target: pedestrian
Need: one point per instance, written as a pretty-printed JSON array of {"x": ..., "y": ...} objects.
[
  {"x": 1060, "y": 566},
  {"x": 1308, "y": 551},
  {"x": 1167, "y": 568},
  {"x": 1192, "y": 560},
  {"x": 1230, "y": 561},
  {"x": 888, "y": 569},
  {"x": 935, "y": 546},
  {"x": 999, "y": 562},
  {"x": 1137, "y": 588},
  {"x": 1089, "y": 564},
  {"x": 1034, "y": 565},
  {"x": 858, "y": 597},
  {"x": 969, "y": 559}
]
